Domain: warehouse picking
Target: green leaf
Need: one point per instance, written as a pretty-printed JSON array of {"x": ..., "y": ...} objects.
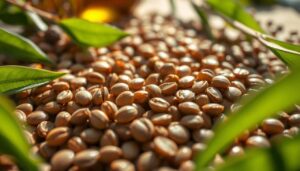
[
  {"x": 173, "y": 7},
  {"x": 281, "y": 156},
  {"x": 86, "y": 33},
  {"x": 287, "y": 52},
  {"x": 281, "y": 95},
  {"x": 13, "y": 141},
  {"x": 14, "y": 18},
  {"x": 18, "y": 78},
  {"x": 21, "y": 48},
  {"x": 234, "y": 10},
  {"x": 202, "y": 16}
]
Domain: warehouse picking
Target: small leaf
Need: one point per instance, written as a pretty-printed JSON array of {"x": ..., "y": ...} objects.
[
  {"x": 265, "y": 103},
  {"x": 18, "y": 78},
  {"x": 21, "y": 48},
  {"x": 86, "y": 33},
  {"x": 13, "y": 141},
  {"x": 234, "y": 10},
  {"x": 281, "y": 156},
  {"x": 173, "y": 7},
  {"x": 204, "y": 21}
]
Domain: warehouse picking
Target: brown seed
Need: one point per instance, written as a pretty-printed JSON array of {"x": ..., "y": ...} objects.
[
  {"x": 153, "y": 90},
  {"x": 86, "y": 158},
  {"x": 58, "y": 136},
  {"x": 62, "y": 160},
  {"x": 72, "y": 107},
  {"x": 185, "y": 95},
  {"x": 99, "y": 119},
  {"x": 101, "y": 66},
  {"x": 25, "y": 107},
  {"x": 233, "y": 93},
  {"x": 130, "y": 150},
  {"x": 60, "y": 86},
  {"x": 220, "y": 81},
  {"x": 202, "y": 99},
  {"x": 83, "y": 97},
  {"x": 164, "y": 147},
  {"x": 45, "y": 150},
  {"x": 178, "y": 133},
  {"x": 142, "y": 129},
  {"x": 62, "y": 119},
  {"x": 152, "y": 79},
  {"x": 126, "y": 114},
  {"x": 20, "y": 115},
  {"x": 64, "y": 97},
  {"x": 121, "y": 165},
  {"x": 239, "y": 85},
  {"x": 186, "y": 82},
  {"x": 90, "y": 135},
  {"x": 168, "y": 88},
  {"x": 125, "y": 98},
  {"x": 45, "y": 97},
  {"x": 109, "y": 138},
  {"x": 189, "y": 108},
  {"x": 109, "y": 108},
  {"x": 187, "y": 166},
  {"x": 44, "y": 127},
  {"x": 184, "y": 153},
  {"x": 97, "y": 96},
  {"x": 136, "y": 83},
  {"x": 161, "y": 119},
  {"x": 158, "y": 104},
  {"x": 192, "y": 121},
  {"x": 141, "y": 96},
  {"x": 76, "y": 144},
  {"x": 80, "y": 116},
  {"x": 147, "y": 161},
  {"x": 257, "y": 141},
  {"x": 294, "y": 119},
  {"x": 210, "y": 62},
  {"x": 95, "y": 78},
  {"x": 199, "y": 87},
  {"x": 272, "y": 126},
  {"x": 183, "y": 71},
  {"x": 214, "y": 94},
  {"x": 52, "y": 108},
  {"x": 213, "y": 109},
  {"x": 37, "y": 117},
  {"x": 202, "y": 135},
  {"x": 110, "y": 153},
  {"x": 236, "y": 151},
  {"x": 119, "y": 88}
]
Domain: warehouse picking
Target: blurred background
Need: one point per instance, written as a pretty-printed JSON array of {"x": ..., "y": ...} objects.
[{"x": 282, "y": 12}]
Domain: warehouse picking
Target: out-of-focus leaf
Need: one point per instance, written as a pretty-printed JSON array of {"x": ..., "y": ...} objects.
[
  {"x": 281, "y": 95},
  {"x": 18, "y": 78},
  {"x": 12, "y": 15},
  {"x": 13, "y": 141},
  {"x": 202, "y": 16},
  {"x": 234, "y": 10},
  {"x": 173, "y": 7},
  {"x": 281, "y": 156},
  {"x": 21, "y": 48},
  {"x": 86, "y": 33}
]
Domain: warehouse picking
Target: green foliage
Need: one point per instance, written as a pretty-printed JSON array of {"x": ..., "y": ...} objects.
[
  {"x": 86, "y": 33},
  {"x": 21, "y": 48},
  {"x": 234, "y": 10},
  {"x": 12, "y": 15},
  {"x": 203, "y": 18},
  {"x": 13, "y": 141},
  {"x": 281, "y": 156},
  {"x": 281, "y": 95},
  {"x": 17, "y": 78}
]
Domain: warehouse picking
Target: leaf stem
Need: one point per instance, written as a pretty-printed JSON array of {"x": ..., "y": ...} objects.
[{"x": 28, "y": 7}]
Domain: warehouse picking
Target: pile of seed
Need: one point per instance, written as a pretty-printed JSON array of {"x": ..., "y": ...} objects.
[{"x": 148, "y": 102}]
